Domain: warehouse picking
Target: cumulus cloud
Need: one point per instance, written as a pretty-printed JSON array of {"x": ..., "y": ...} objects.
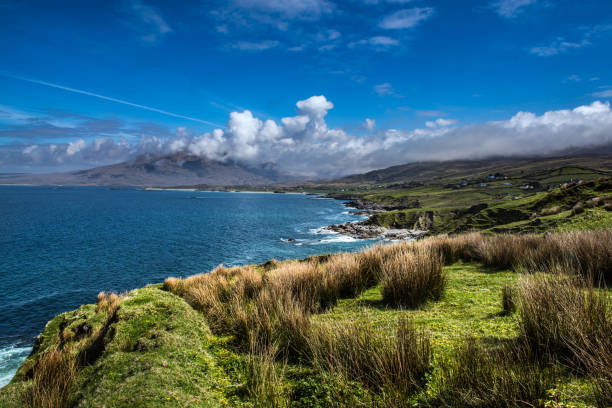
[{"x": 304, "y": 144}]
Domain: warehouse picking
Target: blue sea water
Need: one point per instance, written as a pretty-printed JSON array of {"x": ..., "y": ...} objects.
[{"x": 60, "y": 246}]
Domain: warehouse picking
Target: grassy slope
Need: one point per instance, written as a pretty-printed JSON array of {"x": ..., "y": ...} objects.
[
  {"x": 511, "y": 216},
  {"x": 161, "y": 352}
]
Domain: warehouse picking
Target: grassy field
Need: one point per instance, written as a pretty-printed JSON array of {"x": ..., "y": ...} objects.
[
  {"x": 496, "y": 195},
  {"x": 447, "y": 321}
]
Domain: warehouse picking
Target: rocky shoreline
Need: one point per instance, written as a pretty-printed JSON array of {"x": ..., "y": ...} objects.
[{"x": 364, "y": 231}]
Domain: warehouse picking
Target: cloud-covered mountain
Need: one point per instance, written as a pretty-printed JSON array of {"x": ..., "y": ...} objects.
[
  {"x": 304, "y": 145},
  {"x": 153, "y": 170}
]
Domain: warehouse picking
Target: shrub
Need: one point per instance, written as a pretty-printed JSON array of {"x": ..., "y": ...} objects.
[
  {"x": 393, "y": 364},
  {"x": 474, "y": 376},
  {"x": 411, "y": 277},
  {"x": 52, "y": 380},
  {"x": 578, "y": 208}
]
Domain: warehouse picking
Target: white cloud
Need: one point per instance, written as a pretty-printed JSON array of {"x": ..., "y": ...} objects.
[
  {"x": 378, "y": 42},
  {"x": 441, "y": 122},
  {"x": 406, "y": 18},
  {"x": 607, "y": 93},
  {"x": 289, "y": 8},
  {"x": 587, "y": 35},
  {"x": 559, "y": 46},
  {"x": 75, "y": 147},
  {"x": 510, "y": 8},
  {"x": 148, "y": 20},
  {"x": 370, "y": 124},
  {"x": 386, "y": 89},
  {"x": 305, "y": 144}
]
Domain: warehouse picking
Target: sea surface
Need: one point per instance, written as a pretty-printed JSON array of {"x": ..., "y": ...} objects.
[{"x": 60, "y": 246}]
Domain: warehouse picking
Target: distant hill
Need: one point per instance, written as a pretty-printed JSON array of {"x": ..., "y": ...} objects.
[
  {"x": 169, "y": 170},
  {"x": 437, "y": 171}
]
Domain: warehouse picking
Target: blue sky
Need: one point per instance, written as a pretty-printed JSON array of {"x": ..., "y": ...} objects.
[{"x": 132, "y": 74}]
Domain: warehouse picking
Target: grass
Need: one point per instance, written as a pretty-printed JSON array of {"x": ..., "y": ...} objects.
[{"x": 431, "y": 323}]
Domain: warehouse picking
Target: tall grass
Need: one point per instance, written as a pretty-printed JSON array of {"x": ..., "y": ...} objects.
[
  {"x": 567, "y": 319},
  {"x": 412, "y": 276},
  {"x": 587, "y": 253},
  {"x": 52, "y": 380},
  {"x": 562, "y": 317},
  {"x": 265, "y": 383},
  {"x": 394, "y": 364},
  {"x": 475, "y": 376}
]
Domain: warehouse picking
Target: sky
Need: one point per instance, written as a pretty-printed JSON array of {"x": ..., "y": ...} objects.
[{"x": 315, "y": 87}]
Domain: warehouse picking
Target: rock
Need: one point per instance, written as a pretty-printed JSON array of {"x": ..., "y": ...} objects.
[{"x": 365, "y": 231}]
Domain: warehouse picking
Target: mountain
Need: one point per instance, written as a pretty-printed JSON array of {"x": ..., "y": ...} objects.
[
  {"x": 169, "y": 170},
  {"x": 438, "y": 171}
]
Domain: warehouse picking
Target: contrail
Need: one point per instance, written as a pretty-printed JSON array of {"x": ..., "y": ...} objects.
[{"x": 108, "y": 98}]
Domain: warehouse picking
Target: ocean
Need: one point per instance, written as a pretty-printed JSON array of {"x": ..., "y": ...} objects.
[{"x": 61, "y": 246}]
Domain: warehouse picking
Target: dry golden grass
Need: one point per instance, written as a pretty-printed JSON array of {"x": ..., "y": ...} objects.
[
  {"x": 561, "y": 315},
  {"x": 412, "y": 276},
  {"x": 52, "y": 381},
  {"x": 108, "y": 302}
]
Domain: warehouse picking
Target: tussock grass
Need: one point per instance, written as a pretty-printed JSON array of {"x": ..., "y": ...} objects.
[
  {"x": 411, "y": 276},
  {"x": 508, "y": 299},
  {"x": 108, "y": 302},
  {"x": 562, "y": 318},
  {"x": 394, "y": 364},
  {"x": 565, "y": 318},
  {"x": 265, "y": 383},
  {"x": 474, "y": 376},
  {"x": 52, "y": 380}
]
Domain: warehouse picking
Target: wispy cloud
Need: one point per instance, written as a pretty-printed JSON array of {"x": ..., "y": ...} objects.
[
  {"x": 587, "y": 35},
  {"x": 386, "y": 89},
  {"x": 406, "y": 18},
  {"x": 111, "y": 99},
  {"x": 148, "y": 21},
  {"x": 559, "y": 46},
  {"x": 510, "y": 8},
  {"x": 255, "y": 45},
  {"x": 603, "y": 94},
  {"x": 379, "y": 43}
]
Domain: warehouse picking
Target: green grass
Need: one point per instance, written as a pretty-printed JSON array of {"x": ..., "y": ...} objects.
[
  {"x": 522, "y": 215},
  {"x": 159, "y": 352},
  {"x": 471, "y": 305}
]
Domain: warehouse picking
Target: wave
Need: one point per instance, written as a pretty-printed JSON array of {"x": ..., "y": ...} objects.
[{"x": 11, "y": 358}]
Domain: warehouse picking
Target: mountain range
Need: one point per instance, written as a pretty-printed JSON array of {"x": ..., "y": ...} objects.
[{"x": 163, "y": 171}]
